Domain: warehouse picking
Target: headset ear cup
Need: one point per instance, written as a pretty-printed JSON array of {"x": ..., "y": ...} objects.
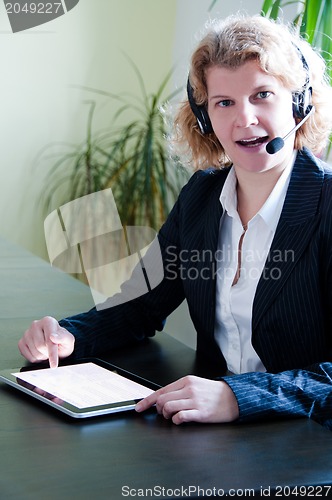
[
  {"x": 200, "y": 112},
  {"x": 302, "y": 103},
  {"x": 296, "y": 105},
  {"x": 203, "y": 120}
]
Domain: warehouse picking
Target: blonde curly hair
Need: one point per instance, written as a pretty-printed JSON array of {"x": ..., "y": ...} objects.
[{"x": 232, "y": 42}]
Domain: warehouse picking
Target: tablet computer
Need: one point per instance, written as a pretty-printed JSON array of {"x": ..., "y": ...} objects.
[{"x": 84, "y": 388}]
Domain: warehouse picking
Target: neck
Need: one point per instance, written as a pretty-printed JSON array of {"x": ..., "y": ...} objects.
[{"x": 253, "y": 189}]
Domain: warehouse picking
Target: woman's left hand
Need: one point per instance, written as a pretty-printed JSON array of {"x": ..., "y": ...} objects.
[{"x": 194, "y": 399}]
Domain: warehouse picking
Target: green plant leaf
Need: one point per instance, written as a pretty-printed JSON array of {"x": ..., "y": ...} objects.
[
  {"x": 212, "y": 4},
  {"x": 132, "y": 158},
  {"x": 267, "y": 7}
]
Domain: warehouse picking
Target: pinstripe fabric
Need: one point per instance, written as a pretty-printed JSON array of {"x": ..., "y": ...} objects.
[
  {"x": 292, "y": 312},
  {"x": 306, "y": 393}
]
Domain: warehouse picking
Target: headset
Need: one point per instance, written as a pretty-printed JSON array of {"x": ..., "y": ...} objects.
[
  {"x": 302, "y": 101},
  {"x": 200, "y": 111}
]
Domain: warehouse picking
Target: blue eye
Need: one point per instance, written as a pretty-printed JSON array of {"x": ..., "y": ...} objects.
[
  {"x": 224, "y": 103},
  {"x": 264, "y": 94}
]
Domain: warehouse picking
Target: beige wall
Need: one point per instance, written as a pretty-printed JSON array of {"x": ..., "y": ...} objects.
[{"x": 39, "y": 105}]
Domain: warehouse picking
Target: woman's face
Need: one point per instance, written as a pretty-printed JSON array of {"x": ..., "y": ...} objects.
[{"x": 248, "y": 108}]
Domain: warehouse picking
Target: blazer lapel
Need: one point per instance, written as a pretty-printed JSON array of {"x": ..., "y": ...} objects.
[
  {"x": 297, "y": 223},
  {"x": 214, "y": 213}
]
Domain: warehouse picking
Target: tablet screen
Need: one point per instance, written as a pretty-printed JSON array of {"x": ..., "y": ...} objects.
[
  {"x": 84, "y": 385},
  {"x": 86, "y": 388}
]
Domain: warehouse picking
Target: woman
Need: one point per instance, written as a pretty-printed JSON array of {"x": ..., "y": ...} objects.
[{"x": 254, "y": 223}]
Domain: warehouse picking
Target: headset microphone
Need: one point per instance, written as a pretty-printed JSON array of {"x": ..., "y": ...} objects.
[
  {"x": 302, "y": 109},
  {"x": 278, "y": 143}
]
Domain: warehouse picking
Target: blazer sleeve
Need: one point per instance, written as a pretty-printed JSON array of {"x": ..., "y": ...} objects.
[
  {"x": 110, "y": 326},
  {"x": 306, "y": 393}
]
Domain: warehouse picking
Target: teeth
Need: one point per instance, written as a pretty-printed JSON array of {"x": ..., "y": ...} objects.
[{"x": 254, "y": 139}]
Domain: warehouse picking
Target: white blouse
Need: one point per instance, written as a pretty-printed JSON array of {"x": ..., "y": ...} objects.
[{"x": 235, "y": 298}]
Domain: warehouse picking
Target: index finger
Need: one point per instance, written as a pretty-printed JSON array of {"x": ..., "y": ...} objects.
[
  {"x": 50, "y": 329},
  {"x": 53, "y": 354},
  {"x": 147, "y": 402},
  {"x": 150, "y": 400}
]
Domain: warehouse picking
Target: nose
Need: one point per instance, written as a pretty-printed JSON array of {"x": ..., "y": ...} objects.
[{"x": 246, "y": 115}]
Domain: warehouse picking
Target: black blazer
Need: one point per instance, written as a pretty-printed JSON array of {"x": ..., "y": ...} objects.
[{"x": 292, "y": 310}]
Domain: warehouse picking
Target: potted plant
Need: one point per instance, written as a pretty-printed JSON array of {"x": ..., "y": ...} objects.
[{"x": 131, "y": 158}]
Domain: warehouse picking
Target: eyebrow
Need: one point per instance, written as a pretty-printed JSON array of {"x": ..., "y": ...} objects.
[{"x": 267, "y": 87}]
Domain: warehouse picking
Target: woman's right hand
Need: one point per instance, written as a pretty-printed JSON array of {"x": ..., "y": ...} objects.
[{"x": 46, "y": 339}]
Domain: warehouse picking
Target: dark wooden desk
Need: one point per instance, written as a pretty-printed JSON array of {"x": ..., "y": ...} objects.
[{"x": 47, "y": 456}]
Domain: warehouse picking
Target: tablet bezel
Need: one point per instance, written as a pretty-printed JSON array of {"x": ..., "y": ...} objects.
[{"x": 8, "y": 378}]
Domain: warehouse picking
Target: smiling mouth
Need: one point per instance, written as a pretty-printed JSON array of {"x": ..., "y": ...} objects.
[{"x": 254, "y": 141}]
